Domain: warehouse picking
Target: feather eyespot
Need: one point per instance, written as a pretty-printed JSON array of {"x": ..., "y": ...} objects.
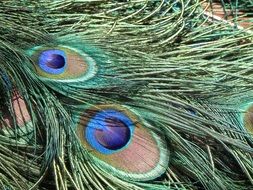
[
  {"x": 248, "y": 119},
  {"x": 21, "y": 114},
  {"x": 62, "y": 63},
  {"x": 18, "y": 116},
  {"x": 115, "y": 136}
]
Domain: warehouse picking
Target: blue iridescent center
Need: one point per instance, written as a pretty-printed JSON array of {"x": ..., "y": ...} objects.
[
  {"x": 109, "y": 131},
  {"x": 53, "y": 61}
]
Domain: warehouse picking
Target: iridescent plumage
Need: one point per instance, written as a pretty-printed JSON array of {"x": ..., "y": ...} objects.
[{"x": 126, "y": 95}]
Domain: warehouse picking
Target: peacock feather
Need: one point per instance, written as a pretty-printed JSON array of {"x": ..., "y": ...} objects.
[{"x": 112, "y": 95}]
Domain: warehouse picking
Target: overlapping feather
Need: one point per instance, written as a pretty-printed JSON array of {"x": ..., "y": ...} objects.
[{"x": 186, "y": 74}]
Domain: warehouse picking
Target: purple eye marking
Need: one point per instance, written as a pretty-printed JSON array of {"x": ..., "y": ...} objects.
[
  {"x": 53, "y": 61},
  {"x": 114, "y": 135},
  {"x": 109, "y": 131}
]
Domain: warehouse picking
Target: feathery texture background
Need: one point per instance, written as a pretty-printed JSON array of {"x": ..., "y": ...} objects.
[{"x": 141, "y": 94}]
